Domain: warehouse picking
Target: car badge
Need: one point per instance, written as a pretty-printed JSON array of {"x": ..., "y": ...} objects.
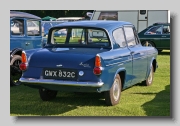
[
  {"x": 84, "y": 65},
  {"x": 59, "y": 65}
]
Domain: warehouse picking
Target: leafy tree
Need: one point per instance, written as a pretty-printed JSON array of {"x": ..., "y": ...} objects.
[{"x": 58, "y": 13}]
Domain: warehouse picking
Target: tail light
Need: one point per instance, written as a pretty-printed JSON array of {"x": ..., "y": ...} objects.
[
  {"x": 97, "y": 69},
  {"x": 23, "y": 65}
]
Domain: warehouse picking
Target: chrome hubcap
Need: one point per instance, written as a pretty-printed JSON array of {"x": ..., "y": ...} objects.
[
  {"x": 116, "y": 90},
  {"x": 148, "y": 45}
]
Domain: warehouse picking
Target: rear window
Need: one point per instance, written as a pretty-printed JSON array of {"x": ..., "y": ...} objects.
[{"x": 80, "y": 37}]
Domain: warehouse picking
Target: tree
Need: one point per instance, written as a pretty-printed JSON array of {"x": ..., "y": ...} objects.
[{"x": 58, "y": 13}]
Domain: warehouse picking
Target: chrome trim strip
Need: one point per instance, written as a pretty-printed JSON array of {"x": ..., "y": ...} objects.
[
  {"x": 60, "y": 82},
  {"x": 120, "y": 63},
  {"x": 143, "y": 57}
]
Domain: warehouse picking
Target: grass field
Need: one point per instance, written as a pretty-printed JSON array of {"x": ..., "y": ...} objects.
[{"x": 135, "y": 101}]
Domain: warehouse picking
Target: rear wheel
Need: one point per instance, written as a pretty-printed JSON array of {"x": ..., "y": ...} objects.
[
  {"x": 112, "y": 97},
  {"x": 15, "y": 72},
  {"x": 47, "y": 95}
]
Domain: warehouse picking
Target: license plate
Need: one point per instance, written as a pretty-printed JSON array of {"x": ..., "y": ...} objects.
[{"x": 64, "y": 74}]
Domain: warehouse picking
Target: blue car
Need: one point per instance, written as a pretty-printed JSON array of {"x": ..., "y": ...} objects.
[
  {"x": 48, "y": 24},
  {"x": 101, "y": 57},
  {"x": 25, "y": 34}
]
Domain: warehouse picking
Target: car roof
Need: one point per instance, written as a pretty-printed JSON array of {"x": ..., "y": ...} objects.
[
  {"x": 161, "y": 23},
  {"x": 105, "y": 24},
  {"x": 22, "y": 15}
]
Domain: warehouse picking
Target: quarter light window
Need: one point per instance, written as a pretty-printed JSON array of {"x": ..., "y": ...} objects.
[
  {"x": 130, "y": 36},
  {"x": 108, "y": 16}
]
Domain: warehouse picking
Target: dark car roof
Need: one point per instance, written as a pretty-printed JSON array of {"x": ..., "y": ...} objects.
[
  {"x": 98, "y": 24},
  {"x": 22, "y": 15},
  {"x": 161, "y": 23}
]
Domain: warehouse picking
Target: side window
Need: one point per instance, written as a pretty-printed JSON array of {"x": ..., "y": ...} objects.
[
  {"x": 108, "y": 16},
  {"x": 166, "y": 29},
  {"x": 118, "y": 35},
  {"x": 17, "y": 27},
  {"x": 129, "y": 32},
  {"x": 33, "y": 28},
  {"x": 155, "y": 30}
]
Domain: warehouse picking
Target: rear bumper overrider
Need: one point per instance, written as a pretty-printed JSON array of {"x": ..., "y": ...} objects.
[{"x": 60, "y": 82}]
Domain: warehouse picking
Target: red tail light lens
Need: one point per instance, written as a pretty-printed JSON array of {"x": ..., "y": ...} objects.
[
  {"x": 23, "y": 65},
  {"x": 97, "y": 69}
]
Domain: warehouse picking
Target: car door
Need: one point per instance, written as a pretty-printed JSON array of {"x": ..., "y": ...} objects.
[
  {"x": 139, "y": 61},
  {"x": 33, "y": 37},
  {"x": 122, "y": 55}
]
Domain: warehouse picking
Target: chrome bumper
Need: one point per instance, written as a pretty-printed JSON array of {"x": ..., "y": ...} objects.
[{"x": 60, "y": 82}]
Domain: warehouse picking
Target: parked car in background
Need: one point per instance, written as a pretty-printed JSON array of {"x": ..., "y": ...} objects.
[
  {"x": 157, "y": 35},
  {"x": 25, "y": 34},
  {"x": 48, "y": 24},
  {"x": 104, "y": 57}
]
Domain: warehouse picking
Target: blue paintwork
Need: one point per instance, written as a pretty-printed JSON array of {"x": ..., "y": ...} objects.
[
  {"x": 24, "y": 41},
  {"x": 135, "y": 66}
]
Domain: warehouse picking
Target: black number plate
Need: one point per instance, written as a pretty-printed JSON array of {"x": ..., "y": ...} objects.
[{"x": 64, "y": 74}]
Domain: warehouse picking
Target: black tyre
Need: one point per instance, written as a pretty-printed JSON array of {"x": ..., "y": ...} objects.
[
  {"x": 47, "y": 95},
  {"x": 112, "y": 97},
  {"x": 15, "y": 72},
  {"x": 149, "y": 80},
  {"x": 148, "y": 43}
]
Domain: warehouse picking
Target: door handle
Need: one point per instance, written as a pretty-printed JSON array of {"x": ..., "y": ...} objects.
[{"x": 163, "y": 36}]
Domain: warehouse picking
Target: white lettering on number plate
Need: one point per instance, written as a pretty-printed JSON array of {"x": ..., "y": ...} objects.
[{"x": 60, "y": 73}]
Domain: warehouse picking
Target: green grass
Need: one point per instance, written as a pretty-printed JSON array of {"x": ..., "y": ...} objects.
[{"x": 138, "y": 100}]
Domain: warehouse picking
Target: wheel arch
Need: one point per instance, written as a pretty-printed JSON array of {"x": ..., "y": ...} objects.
[
  {"x": 155, "y": 65},
  {"x": 144, "y": 41},
  {"x": 152, "y": 63},
  {"x": 16, "y": 51},
  {"x": 121, "y": 72}
]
